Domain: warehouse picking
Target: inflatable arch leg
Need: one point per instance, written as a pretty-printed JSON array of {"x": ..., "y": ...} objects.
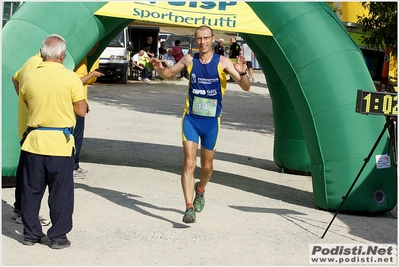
[
  {"x": 290, "y": 152},
  {"x": 22, "y": 37},
  {"x": 322, "y": 69}
]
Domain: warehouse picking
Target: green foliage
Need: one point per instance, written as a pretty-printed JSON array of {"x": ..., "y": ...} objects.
[{"x": 381, "y": 23}]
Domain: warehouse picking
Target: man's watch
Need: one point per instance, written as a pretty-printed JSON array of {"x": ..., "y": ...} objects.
[{"x": 244, "y": 73}]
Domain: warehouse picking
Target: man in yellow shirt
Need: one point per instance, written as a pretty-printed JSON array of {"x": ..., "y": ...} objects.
[
  {"x": 30, "y": 64},
  {"x": 82, "y": 71},
  {"x": 140, "y": 62},
  {"x": 53, "y": 95}
]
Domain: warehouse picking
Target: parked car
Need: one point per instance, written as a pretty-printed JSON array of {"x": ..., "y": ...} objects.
[
  {"x": 187, "y": 43},
  {"x": 164, "y": 35}
]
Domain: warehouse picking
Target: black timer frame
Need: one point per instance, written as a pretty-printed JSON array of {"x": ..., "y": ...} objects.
[{"x": 390, "y": 124}]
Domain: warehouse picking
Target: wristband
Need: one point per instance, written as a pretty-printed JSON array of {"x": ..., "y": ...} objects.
[{"x": 242, "y": 74}]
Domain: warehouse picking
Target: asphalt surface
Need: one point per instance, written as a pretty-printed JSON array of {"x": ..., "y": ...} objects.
[{"x": 129, "y": 207}]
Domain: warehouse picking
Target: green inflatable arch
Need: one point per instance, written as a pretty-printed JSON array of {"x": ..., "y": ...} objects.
[{"x": 313, "y": 71}]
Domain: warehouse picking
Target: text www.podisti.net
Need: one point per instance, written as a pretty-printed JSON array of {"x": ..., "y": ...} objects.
[{"x": 384, "y": 254}]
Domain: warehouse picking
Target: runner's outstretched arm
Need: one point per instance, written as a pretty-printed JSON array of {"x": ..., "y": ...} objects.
[{"x": 168, "y": 73}]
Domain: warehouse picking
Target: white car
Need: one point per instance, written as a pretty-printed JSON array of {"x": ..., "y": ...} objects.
[{"x": 164, "y": 35}]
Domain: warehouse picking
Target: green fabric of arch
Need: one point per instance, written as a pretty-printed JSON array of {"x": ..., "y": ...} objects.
[{"x": 321, "y": 70}]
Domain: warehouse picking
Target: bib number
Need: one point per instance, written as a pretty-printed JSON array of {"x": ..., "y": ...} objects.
[{"x": 204, "y": 106}]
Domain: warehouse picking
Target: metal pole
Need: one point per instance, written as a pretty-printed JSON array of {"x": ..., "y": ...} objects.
[{"x": 366, "y": 160}]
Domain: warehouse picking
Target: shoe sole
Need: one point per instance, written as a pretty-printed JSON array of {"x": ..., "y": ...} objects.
[
  {"x": 30, "y": 242},
  {"x": 189, "y": 219},
  {"x": 60, "y": 245}
]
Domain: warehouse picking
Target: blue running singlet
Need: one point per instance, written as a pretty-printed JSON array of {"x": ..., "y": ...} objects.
[{"x": 201, "y": 116}]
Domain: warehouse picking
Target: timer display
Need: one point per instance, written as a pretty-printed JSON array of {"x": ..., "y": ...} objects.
[{"x": 378, "y": 103}]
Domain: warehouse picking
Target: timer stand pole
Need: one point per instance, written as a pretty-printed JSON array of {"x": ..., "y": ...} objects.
[
  {"x": 393, "y": 133},
  {"x": 366, "y": 160}
]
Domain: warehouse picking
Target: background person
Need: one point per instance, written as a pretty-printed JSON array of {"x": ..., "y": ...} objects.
[
  {"x": 219, "y": 48},
  {"x": 202, "y": 112},
  {"x": 162, "y": 50},
  {"x": 159, "y": 45},
  {"x": 177, "y": 53},
  {"x": 234, "y": 49},
  {"x": 169, "y": 58},
  {"x": 82, "y": 71},
  {"x": 147, "y": 47},
  {"x": 53, "y": 95},
  {"x": 249, "y": 58},
  {"x": 140, "y": 61}
]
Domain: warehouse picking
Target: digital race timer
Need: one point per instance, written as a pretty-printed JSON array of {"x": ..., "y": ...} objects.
[{"x": 378, "y": 103}]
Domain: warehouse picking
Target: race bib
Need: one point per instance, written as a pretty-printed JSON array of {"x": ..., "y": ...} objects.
[{"x": 204, "y": 106}]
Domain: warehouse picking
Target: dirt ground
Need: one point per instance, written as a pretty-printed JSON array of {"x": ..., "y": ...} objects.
[{"x": 129, "y": 207}]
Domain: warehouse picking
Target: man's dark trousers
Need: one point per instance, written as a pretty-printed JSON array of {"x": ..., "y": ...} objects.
[{"x": 57, "y": 173}]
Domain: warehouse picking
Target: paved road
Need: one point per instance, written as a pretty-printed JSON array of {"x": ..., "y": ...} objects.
[{"x": 128, "y": 209}]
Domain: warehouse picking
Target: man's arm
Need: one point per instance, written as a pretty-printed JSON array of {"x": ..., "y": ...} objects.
[
  {"x": 134, "y": 62},
  {"x": 80, "y": 107},
  {"x": 90, "y": 75},
  {"x": 16, "y": 85},
  {"x": 168, "y": 73}
]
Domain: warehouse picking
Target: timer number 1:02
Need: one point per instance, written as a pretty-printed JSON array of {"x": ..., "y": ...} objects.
[{"x": 389, "y": 105}]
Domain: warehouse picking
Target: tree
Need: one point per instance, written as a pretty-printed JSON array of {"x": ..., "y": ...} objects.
[
  {"x": 335, "y": 7},
  {"x": 381, "y": 24}
]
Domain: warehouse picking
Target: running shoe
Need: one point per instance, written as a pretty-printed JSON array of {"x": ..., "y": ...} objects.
[
  {"x": 43, "y": 221},
  {"x": 78, "y": 174},
  {"x": 189, "y": 216},
  {"x": 17, "y": 216},
  {"x": 60, "y": 245},
  {"x": 31, "y": 242},
  {"x": 82, "y": 170},
  {"x": 199, "y": 200}
]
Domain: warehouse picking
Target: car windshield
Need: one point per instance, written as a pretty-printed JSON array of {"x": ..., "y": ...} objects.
[{"x": 118, "y": 41}]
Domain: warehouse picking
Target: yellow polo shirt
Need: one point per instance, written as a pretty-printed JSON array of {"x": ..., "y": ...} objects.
[
  {"x": 81, "y": 70},
  {"x": 30, "y": 64},
  {"x": 50, "y": 90}
]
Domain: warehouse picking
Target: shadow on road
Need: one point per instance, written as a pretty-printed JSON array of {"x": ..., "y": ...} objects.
[{"x": 169, "y": 159}]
